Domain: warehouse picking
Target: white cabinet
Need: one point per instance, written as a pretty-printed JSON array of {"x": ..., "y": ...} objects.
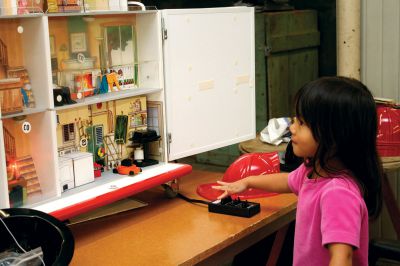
[
  {"x": 82, "y": 163},
  {"x": 66, "y": 170},
  {"x": 193, "y": 68}
]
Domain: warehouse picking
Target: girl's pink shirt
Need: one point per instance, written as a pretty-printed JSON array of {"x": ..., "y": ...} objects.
[{"x": 329, "y": 210}]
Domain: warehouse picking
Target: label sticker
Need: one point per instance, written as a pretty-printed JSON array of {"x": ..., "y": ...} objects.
[
  {"x": 26, "y": 127},
  {"x": 83, "y": 142}
]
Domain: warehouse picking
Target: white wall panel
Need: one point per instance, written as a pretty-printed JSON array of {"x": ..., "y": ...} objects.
[{"x": 380, "y": 71}]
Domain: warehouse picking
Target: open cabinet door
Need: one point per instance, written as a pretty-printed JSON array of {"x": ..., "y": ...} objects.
[{"x": 209, "y": 78}]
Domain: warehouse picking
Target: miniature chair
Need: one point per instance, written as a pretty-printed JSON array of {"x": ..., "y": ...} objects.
[
  {"x": 246, "y": 165},
  {"x": 33, "y": 229}
]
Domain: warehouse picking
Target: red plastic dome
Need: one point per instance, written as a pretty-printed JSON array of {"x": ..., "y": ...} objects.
[
  {"x": 388, "y": 137},
  {"x": 246, "y": 165}
]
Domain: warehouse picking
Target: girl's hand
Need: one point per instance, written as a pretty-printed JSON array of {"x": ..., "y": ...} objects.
[{"x": 230, "y": 188}]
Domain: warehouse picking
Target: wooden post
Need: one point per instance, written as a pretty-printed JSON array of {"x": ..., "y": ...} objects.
[{"x": 348, "y": 20}]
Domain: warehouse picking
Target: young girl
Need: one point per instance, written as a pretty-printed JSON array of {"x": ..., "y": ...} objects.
[{"x": 339, "y": 183}]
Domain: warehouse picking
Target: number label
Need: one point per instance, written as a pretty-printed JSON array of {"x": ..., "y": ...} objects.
[{"x": 26, "y": 127}]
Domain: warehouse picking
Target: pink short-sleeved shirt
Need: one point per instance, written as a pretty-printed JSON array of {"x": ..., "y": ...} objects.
[{"x": 329, "y": 210}]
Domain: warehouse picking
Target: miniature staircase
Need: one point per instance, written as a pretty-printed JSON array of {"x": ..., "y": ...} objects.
[
  {"x": 27, "y": 169},
  {"x": 9, "y": 143}
]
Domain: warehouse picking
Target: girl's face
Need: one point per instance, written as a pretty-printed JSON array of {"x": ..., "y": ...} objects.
[{"x": 304, "y": 144}]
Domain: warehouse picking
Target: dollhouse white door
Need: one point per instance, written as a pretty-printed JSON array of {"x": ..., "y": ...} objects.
[{"x": 209, "y": 78}]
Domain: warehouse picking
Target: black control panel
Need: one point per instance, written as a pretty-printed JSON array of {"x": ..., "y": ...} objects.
[{"x": 234, "y": 207}]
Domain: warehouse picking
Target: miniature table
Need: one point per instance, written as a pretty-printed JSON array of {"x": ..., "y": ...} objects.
[{"x": 175, "y": 232}]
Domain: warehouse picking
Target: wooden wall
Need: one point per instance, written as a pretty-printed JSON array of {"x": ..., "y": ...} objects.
[{"x": 380, "y": 71}]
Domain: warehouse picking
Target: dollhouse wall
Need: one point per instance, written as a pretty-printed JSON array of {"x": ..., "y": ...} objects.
[
  {"x": 62, "y": 27},
  {"x": 11, "y": 39},
  {"x": 44, "y": 151},
  {"x": 57, "y": 29},
  {"x": 22, "y": 140},
  {"x": 100, "y": 114},
  {"x": 150, "y": 52},
  {"x": 4, "y": 199},
  {"x": 27, "y": 48},
  {"x": 36, "y": 50},
  {"x": 38, "y": 144}
]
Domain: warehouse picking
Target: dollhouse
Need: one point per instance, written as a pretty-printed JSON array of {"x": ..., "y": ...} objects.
[{"x": 106, "y": 88}]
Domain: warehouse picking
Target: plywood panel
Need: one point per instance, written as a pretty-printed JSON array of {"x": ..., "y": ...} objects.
[
  {"x": 381, "y": 47},
  {"x": 13, "y": 41},
  {"x": 390, "y": 48},
  {"x": 380, "y": 71},
  {"x": 371, "y": 44}
]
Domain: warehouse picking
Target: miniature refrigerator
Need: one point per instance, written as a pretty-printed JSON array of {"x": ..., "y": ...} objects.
[{"x": 187, "y": 74}]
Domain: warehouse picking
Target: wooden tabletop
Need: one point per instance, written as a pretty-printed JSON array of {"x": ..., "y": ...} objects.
[
  {"x": 256, "y": 145},
  {"x": 175, "y": 232},
  {"x": 390, "y": 164}
]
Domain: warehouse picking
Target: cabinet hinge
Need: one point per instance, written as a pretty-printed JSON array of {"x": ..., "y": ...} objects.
[
  {"x": 267, "y": 50},
  {"x": 165, "y": 34},
  {"x": 169, "y": 141},
  {"x": 164, "y": 31}
]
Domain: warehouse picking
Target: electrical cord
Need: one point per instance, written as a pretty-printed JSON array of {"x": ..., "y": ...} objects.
[
  {"x": 173, "y": 193},
  {"x": 15, "y": 240},
  {"x": 194, "y": 201}
]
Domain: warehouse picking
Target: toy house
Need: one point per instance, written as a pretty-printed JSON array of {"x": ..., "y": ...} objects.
[{"x": 98, "y": 78}]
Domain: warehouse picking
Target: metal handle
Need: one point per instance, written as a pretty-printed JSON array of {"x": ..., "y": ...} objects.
[
  {"x": 3, "y": 214},
  {"x": 137, "y": 4}
]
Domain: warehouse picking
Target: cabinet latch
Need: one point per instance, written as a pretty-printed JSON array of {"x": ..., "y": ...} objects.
[
  {"x": 165, "y": 34},
  {"x": 169, "y": 140},
  {"x": 164, "y": 30}
]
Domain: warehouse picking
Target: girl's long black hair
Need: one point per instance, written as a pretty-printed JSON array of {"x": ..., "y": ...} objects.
[{"x": 341, "y": 114}]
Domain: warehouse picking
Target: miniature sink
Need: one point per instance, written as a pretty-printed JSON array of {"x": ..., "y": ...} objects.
[{"x": 34, "y": 229}]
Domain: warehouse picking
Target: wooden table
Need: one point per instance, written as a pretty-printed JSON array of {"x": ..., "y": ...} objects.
[
  {"x": 256, "y": 145},
  {"x": 175, "y": 232}
]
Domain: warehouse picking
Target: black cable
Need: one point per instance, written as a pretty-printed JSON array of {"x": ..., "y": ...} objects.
[{"x": 192, "y": 200}]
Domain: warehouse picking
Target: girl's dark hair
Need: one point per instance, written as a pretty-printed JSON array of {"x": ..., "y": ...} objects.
[{"x": 341, "y": 114}]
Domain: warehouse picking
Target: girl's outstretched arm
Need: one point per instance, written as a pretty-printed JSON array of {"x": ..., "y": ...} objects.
[
  {"x": 271, "y": 183},
  {"x": 341, "y": 254}
]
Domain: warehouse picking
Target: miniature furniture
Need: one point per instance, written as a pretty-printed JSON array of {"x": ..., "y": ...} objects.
[
  {"x": 172, "y": 231},
  {"x": 10, "y": 95},
  {"x": 17, "y": 192}
]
